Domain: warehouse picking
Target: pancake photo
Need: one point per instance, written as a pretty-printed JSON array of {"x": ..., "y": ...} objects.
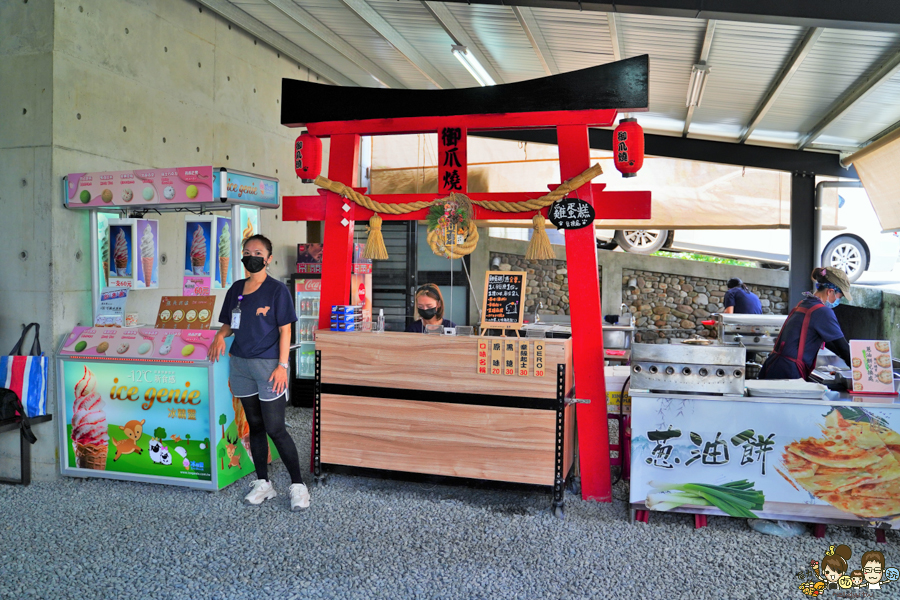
[{"x": 854, "y": 466}]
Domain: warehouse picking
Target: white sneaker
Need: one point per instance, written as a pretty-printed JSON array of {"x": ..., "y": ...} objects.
[
  {"x": 299, "y": 497},
  {"x": 262, "y": 490}
]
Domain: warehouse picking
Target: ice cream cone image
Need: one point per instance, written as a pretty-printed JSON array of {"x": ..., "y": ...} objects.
[
  {"x": 245, "y": 235},
  {"x": 148, "y": 270},
  {"x": 104, "y": 251},
  {"x": 198, "y": 251},
  {"x": 148, "y": 254},
  {"x": 90, "y": 456},
  {"x": 224, "y": 254},
  {"x": 121, "y": 254},
  {"x": 223, "y": 269},
  {"x": 90, "y": 438}
]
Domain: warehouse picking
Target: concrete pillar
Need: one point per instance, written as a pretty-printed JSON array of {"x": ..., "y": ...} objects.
[
  {"x": 610, "y": 282},
  {"x": 26, "y": 196},
  {"x": 803, "y": 209}
]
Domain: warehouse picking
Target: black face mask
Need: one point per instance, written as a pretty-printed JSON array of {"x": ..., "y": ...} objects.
[
  {"x": 254, "y": 264},
  {"x": 427, "y": 313}
]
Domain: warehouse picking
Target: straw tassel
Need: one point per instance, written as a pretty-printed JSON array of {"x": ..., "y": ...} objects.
[
  {"x": 539, "y": 248},
  {"x": 375, "y": 248}
]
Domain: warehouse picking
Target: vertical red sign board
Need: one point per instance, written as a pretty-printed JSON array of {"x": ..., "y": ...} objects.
[{"x": 452, "y": 161}]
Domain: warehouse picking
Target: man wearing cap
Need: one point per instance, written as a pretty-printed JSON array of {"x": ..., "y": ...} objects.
[
  {"x": 739, "y": 299},
  {"x": 810, "y": 324}
]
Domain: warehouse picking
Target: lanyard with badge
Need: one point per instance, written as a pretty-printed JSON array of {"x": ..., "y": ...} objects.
[{"x": 236, "y": 314}]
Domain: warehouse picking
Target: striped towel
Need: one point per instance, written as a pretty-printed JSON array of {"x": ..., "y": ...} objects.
[{"x": 27, "y": 377}]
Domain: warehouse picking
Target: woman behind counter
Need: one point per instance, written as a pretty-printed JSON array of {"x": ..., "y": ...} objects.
[
  {"x": 810, "y": 324},
  {"x": 429, "y": 309}
]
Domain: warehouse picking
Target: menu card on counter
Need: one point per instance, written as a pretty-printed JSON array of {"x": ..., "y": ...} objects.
[
  {"x": 185, "y": 312},
  {"x": 138, "y": 343},
  {"x": 872, "y": 366},
  {"x": 503, "y": 300},
  {"x": 111, "y": 308}
]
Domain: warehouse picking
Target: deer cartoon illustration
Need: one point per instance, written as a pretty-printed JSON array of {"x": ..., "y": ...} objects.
[
  {"x": 234, "y": 459},
  {"x": 134, "y": 430}
]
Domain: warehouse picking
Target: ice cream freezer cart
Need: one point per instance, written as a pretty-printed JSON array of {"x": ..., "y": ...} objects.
[{"x": 144, "y": 404}]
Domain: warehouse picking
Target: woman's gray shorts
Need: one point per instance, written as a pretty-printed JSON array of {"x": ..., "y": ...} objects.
[{"x": 250, "y": 376}]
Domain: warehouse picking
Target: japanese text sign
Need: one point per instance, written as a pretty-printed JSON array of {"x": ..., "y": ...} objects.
[
  {"x": 571, "y": 213},
  {"x": 452, "y": 147}
]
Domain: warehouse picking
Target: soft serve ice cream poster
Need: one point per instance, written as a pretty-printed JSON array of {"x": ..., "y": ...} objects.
[
  {"x": 223, "y": 276},
  {"x": 148, "y": 246},
  {"x": 198, "y": 257},
  {"x": 137, "y": 418},
  {"x": 121, "y": 245}
]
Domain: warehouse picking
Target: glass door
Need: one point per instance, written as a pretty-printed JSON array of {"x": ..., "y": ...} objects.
[{"x": 306, "y": 297}]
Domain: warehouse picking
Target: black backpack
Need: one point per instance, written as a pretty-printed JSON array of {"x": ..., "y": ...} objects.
[{"x": 11, "y": 408}]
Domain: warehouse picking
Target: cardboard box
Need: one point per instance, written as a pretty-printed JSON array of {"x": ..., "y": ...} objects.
[{"x": 615, "y": 379}]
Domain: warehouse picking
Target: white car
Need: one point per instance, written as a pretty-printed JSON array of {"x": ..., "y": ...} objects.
[{"x": 860, "y": 246}]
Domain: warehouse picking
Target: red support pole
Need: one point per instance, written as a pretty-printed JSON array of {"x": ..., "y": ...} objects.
[
  {"x": 337, "y": 254},
  {"x": 587, "y": 330}
]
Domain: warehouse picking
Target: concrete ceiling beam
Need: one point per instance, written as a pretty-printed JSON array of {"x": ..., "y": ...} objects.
[{"x": 264, "y": 33}]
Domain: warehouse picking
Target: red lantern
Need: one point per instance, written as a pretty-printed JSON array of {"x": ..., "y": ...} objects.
[
  {"x": 308, "y": 157},
  {"x": 628, "y": 147}
]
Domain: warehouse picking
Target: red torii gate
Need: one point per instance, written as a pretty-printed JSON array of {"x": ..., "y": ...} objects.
[{"x": 574, "y": 158}]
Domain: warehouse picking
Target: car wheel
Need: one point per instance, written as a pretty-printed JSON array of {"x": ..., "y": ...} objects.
[
  {"x": 641, "y": 241},
  {"x": 847, "y": 254}
]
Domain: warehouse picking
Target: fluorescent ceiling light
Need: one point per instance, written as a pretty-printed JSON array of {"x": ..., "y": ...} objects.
[
  {"x": 699, "y": 76},
  {"x": 472, "y": 65}
]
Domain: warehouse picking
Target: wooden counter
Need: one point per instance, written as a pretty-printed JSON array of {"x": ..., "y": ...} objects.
[{"x": 415, "y": 403}]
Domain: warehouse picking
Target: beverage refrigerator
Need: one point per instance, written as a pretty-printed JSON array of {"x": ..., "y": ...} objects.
[{"x": 306, "y": 288}]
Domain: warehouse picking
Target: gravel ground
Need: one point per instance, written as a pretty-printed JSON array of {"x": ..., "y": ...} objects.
[{"x": 370, "y": 538}]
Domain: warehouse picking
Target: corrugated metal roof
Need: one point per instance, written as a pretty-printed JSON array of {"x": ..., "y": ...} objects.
[
  {"x": 673, "y": 51},
  {"x": 576, "y": 41},
  {"x": 418, "y": 27},
  {"x": 358, "y": 34},
  {"x": 839, "y": 60},
  {"x": 497, "y": 31},
  {"x": 745, "y": 59}
]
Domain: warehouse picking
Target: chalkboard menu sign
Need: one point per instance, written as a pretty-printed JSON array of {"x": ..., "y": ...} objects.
[{"x": 504, "y": 293}]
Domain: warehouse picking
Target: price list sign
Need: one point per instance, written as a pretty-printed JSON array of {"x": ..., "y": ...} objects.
[
  {"x": 503, "y": 299},
  {"x": 509, "y": 357},
  {"x": 538, "y": 359},
  {"x": 524, "y": 358},
  {"x": 483, "y": 345},
  {"x": 496, "y": 357}
]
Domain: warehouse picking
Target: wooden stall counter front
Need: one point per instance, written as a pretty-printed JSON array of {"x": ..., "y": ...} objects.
[{"x": 417, "y": 403}]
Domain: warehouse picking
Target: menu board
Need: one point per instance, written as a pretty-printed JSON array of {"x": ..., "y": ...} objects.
[
  {"x": 872, "y": 366},
  {"x": 138, "y": 343},
  {"x": 185, "y": 312},
  {"x": 140, "y": 188},
  {"x": 503, "y": 300}
]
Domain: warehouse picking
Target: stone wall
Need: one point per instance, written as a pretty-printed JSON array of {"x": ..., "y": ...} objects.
[
  {"x": 673, "y": 306},
  {"x": 547, "y": 282},
  {"x": 665, "y": 306}
]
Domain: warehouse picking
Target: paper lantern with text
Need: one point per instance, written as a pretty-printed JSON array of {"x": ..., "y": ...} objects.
[
  {"x": 308, "y": 157},
  {"x": 628, "y": 147}
]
